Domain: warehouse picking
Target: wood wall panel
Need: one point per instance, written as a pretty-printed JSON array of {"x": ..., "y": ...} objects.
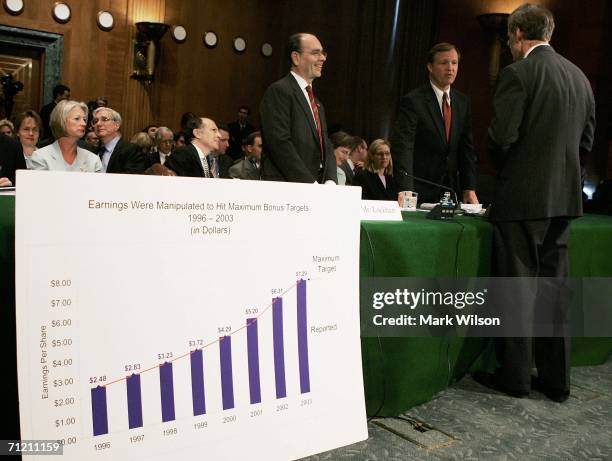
[
  {"x": 577, "y": 36},
  {"x": 214, "y": 82}
]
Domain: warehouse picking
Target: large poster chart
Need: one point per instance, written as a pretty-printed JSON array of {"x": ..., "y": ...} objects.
[{"x": 187, "y": 318}]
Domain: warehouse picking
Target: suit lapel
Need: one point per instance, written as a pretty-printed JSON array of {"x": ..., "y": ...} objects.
[
  {"x": 434, "y": 112},
  {"x": 114, "y": 155},
  {"x": 196, "y": 158}
]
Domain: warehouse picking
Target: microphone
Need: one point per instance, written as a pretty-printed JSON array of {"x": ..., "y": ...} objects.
[{"x": 431, "y": 183}]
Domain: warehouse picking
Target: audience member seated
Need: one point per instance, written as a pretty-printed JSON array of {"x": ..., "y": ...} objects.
[
  {"x": 29, "y": 127},
  {"x": 144, "y": 142},
  {"x": 343, "y": 143},
  {"x": 67, "y": 123},
  {"x": 151, "y": 130},
  {"x": 192, "y": 160},
  {"x": 117, "y": 156},
  {"x": 101, "y": 101},
  {"x": 376, "y": 178},
  {"x": 248, "y": 166},
  {"x": 219, "y": 161},
  {"x": 164, "y": 141},
  {"x": 11, "y": 159},
  {"x": 7, "y": 128},
  {"x": 355, "y": 160},
  {"x": 92, "y": 141},
  {"x": 179, "y": 139}
]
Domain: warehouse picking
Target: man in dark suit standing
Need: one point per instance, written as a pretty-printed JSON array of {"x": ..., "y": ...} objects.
[
  {"x": 60, "y": 93},
  {"x": 544, "y": 114},
  {"x": 238, "y": 131},
  {"x": 294, "y": 129},
  {"x": 432, "y": 136},
  {"x": 117, "y": 156},
  {"x": 202, "y": 136}
]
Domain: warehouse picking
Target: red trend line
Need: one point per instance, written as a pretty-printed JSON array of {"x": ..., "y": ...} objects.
[{"x": 155, "y": 367}]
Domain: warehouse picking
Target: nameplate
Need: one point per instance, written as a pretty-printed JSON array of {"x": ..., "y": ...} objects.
[{"x": 380, "y": 210}]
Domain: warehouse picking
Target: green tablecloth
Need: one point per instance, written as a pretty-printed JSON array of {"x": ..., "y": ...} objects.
[{"x": 402, "y": 372}]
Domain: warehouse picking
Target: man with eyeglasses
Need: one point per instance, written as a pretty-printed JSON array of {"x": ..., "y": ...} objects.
[
  {"x": 117, "y": 156},
  {"x": 164, "y": 140},
  {"x": 543, "y": 117},
  {"x": 294, "y": 129}
]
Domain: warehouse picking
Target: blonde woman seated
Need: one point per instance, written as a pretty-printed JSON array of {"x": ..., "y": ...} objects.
[
  {"x": 67, "y": 122},
  {"x": 376, "y": 178}
]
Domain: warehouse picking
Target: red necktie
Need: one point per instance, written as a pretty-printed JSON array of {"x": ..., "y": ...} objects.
[
  {"x": 315, "y": 111},
  {"x": 446, "y": 111}
]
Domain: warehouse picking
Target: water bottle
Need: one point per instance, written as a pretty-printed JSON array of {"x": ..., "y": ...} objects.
[{"x": 447, "y": 206}]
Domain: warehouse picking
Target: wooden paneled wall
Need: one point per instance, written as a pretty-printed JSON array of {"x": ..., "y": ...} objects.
[
  {"x": 215, "y": 82},
  {"x": 578, "y": 36}
]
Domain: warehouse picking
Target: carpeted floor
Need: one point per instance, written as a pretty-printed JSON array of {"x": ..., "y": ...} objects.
[{"x": 470, "y": 422}]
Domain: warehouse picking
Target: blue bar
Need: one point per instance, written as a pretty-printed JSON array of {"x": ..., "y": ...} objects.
[
  {"x": 197, "y": 383},
  {"x": 279, "y": 348},
  {"x": 253, "y": 357},
  {"x": 99, "y": 411},
  {"x": 134, "y": 398},
  {"x": 166, "y": 385},
  {"x": 302, "y": 332},
  {"x": 227, "y": 385}
]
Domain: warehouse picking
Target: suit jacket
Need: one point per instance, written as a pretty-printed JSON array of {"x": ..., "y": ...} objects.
[
  {"x": 372, "y": 187},
  {"x": 225, "y": 162},
  {"x": 291, "y": 149},
  {"x": 11, "y": 158},
  {"x": 237, "y": 135},
  {"x": 152, "y": 158},
  {"x": 419, "y": 146},
  {"x": 350, "y": 175},
  {"x": 544, "y": 113},
  {"x": 127, "y": 158},
  {"x": 244, "y": 169},
  {"x": 185, "y": 161},
  {"x": 50, "y": 158}
]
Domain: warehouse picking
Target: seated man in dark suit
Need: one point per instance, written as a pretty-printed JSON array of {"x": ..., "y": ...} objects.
[
  {"x": 117, "y": 156},
  {"x": 191, "y": 160},
  {"x": 11, "y": 159},
  {"x": 219, "y": 161},
  {"x": 164, "y": 140},
  {"x": 248, "y": 167}
]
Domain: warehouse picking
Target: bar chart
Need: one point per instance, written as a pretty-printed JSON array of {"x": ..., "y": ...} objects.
[
  {"x": 165, "y": 337},
  {"x": 99, "y": 404}
]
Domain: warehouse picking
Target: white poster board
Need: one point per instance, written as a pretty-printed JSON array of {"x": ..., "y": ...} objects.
[{"x": 182, "y": 318}]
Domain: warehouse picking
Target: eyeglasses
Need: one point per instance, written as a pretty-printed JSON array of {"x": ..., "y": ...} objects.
[
  {"x": 95, "y": 121},
  {"x": 315, "y": 53}
]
